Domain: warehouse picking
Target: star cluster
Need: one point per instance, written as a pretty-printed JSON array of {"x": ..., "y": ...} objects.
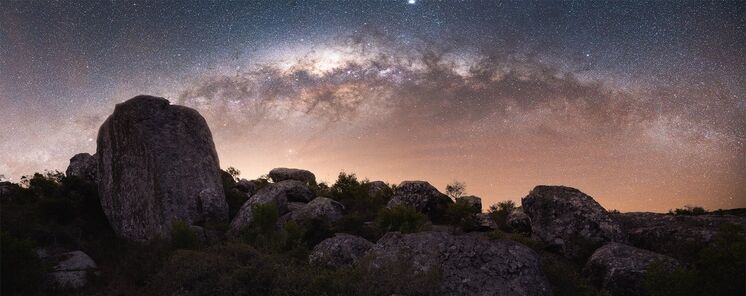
[{"x": 639, "y": 104}]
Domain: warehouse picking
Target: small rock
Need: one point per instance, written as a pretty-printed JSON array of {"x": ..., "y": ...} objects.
[
  {"x": 72, "y": 271},
  {"x": 518, "y": 221},
  {"x": 278, "y": 193},
  {"x": 282, "y": 174},
  {"x": 473, "y": 201},
  {"x": 621, "y": 268},
  {"x": 376, "y": 188},
  {"x": 340, "y": 250},
  {"x": 246, "y": 186}
]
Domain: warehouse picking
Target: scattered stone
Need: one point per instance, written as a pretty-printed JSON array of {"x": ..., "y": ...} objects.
[
  {"x": 518, "y": 221},
  {"x": 156, "y": 165},
  {"x": 84, "y": 166},
  {"x": 340, "y": 250},
  {"x": 569, "y": 220},
  {"x": 72, "y": 271},
  {"x": 421, "y": 196},
  {"x": 621, "y": 268},
  {"x": 282, "y": 174},
  {"x": 468, "y": 265}
]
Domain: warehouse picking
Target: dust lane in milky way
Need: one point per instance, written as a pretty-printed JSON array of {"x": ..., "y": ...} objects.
[{"x": 639, "y": 105}]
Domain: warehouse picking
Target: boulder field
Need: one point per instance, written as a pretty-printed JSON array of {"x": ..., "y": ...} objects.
[{"x": 156, "y": 164}]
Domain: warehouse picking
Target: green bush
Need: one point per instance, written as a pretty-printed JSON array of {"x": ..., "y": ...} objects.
[
  {"x": 499, "y": 213},
  {"x": 401, "y": 218},
  {"x": 22, "y": 271},
  {"x": 564, "y": 276},
  {"x": 463, "y": 215},
  {"x": 183, "y": 237},
  {"x": 688, "y": 211}
]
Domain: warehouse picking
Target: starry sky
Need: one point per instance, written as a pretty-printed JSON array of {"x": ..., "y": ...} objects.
[{"x": 639, "y": 104}]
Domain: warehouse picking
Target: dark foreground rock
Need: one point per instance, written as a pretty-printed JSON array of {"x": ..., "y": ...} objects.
[
  {"x": 282, "y": 174},
  {"x": 677, "y": 236},
  {"x": 569, "y": 220},
  {"x": 467, "y": 265},
  {"x": 341, "y": 250},
  {"x": 473, "y": 201},
  {"x": 421, "y": 196},
  {"x": 518, "y": 221},
  {"x": 84, "y": 166},
  {"x": 157, "y": 165},
  {"x": 321, "y": 208},
  {"x": 72, "y": 270},
  {"x": 621, "y": 268}
]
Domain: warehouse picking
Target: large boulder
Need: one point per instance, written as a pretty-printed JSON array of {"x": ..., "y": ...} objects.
[
  {"x": 621, "y": 269},
  {"x": 421, "y": 196},
  {"x": 84, "y": 166},
  {"x": 72, "y": 270},
  {"x": 278, "y": 193},
  {"x": 678, "y": 236},
  {"x": 322, "y": 209},
  {"x": 378, "y": 188},
  {"x": 569, "y": 221},
  {"x": 341, "y": 250},
  {"x": 157, "y": 165},
  {"x": 282, "y": 174},
  {"x": 467, "y": 265}
]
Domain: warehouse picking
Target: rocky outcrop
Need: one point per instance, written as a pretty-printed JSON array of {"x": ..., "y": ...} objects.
[
  {"x": 157, "y": 165},
  {"x": 486, "y": 223},
  {"x": 341, "y": 250},
  {"x": 473, "y": 201},
  {"x": 84, "y": 166},
  {"x": 282, "y": 174},
  {"x": 467, "y": 264},
  {"x": 421, "y": 196},
  {"x": 518, "y": 221},
  {"x": 72, "y": 270},
  {"x": 569, "y": 220},
  {"x": 678, "y": 236},
  {"x": 278, "y": 193},
  {"x": 322, "y": 209},
  {"x": 620, "y": 268}
]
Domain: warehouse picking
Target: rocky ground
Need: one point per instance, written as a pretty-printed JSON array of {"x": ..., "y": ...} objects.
[{"x": 151, "y": 213}]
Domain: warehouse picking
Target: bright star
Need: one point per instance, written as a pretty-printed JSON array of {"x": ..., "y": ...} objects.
[{"x": 411, "y": 1}]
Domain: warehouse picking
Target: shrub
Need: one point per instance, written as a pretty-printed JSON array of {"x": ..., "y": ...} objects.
[
  {"x": 688, "y": 211},
  {"x": 499, "y": 213},
  {"x": 22, "y": 271},
  {"x": 463, "y": 215},
  {"x": 401, "y": 218},
  {"x": 564, "y": 276},
  {"x": 455, "y": 190},
  {"x": 183, "y": 237}
]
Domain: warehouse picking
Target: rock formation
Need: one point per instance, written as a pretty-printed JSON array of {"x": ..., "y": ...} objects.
[
  {"x": 340, "y": 250},
  {"x": 473, "y": 201},
  {"x": 621, "y": 268},
  {"x": 157, "y": 165},
  {"x": 569, "y": 220},
  {"x": 519, "y": 221},
  {"x": 84, "y": 166},
  {"x": 278, "y": 193},
  {"x": 321, "y": 208},
  {"x": 467, "y": 264},
  {"x": 282, "y": 174}
]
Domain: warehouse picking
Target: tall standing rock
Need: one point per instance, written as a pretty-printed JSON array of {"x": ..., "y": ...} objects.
[
  {"x": 157, "y": 165},
  {"x": 82, "y": 165}
]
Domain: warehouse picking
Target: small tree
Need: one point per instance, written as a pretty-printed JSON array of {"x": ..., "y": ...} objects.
[
  {"x": 455, "y": 190},
  {"x": 499, "y": 212},
  {"x": 234, "y": 172}
]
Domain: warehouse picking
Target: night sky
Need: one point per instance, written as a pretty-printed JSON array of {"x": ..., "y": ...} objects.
[{"x": 641, "y": 105}]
